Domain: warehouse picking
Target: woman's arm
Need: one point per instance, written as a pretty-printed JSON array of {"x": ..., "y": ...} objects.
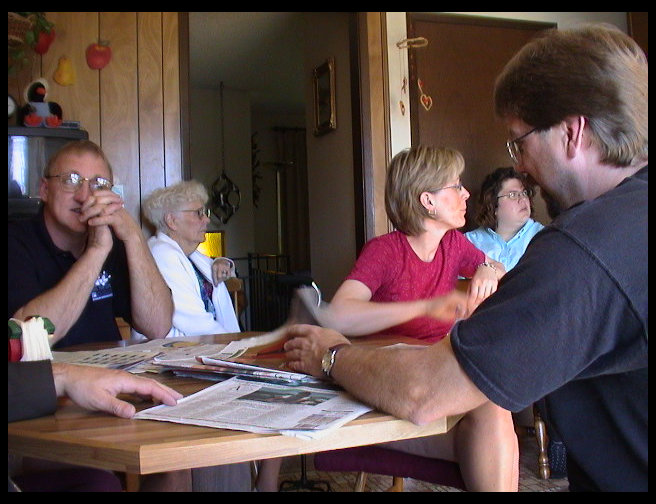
[{"x": 354, "y": 314}]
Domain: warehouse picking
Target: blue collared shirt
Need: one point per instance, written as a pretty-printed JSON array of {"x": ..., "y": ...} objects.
[{"x": 506, "y": 252}]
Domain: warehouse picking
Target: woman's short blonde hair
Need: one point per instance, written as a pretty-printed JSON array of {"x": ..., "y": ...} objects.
[
  {"x": 412, "y": 172},
  {"x": 171, "y": 199}
]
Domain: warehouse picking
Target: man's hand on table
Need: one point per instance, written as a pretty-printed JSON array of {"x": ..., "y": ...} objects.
[
  {"x": 306, "y": 346},
  {"x": 96, "y": 388}
]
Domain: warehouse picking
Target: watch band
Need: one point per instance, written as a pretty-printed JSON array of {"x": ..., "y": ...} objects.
[{"x": 330, "y": 357}]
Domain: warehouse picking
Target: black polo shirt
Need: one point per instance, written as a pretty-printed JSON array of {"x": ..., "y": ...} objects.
[{"x": 35, "y": 264}]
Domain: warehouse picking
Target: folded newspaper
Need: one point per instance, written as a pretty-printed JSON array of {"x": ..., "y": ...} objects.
[
  {"x": 262, "y": 399},
  {"x": 257, "y": 356},
  {"x": 308, "y": 412}
]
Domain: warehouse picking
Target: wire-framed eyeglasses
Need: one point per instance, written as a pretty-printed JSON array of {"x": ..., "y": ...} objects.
[
  {"x": 516, "y": 195},
  {"x": 514, "y": 146},
  {"x": 457, "y": 187},
  {"x": 72, "y": 181},
  {"x": 200, "y": 212}
]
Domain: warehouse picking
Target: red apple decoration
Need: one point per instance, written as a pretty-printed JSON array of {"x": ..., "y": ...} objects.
[
  {"x": 44, "y": 41},
  {"x": 98, "y": 55}
]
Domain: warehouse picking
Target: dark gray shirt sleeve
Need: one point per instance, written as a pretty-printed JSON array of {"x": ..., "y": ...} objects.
[{"x": 555, "y": 317}]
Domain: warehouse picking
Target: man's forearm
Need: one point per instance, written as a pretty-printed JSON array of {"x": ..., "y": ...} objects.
[
  {"x": 64, "y": 303},
  {"x": 152, "y": 304},
  {"x": 418, "y": 384}
]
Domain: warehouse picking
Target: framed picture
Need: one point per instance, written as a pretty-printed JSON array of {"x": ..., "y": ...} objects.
[{"x": 324, "y": 97}]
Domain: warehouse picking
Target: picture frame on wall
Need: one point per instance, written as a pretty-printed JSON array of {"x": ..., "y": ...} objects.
[{"x": 324, "y": 97}]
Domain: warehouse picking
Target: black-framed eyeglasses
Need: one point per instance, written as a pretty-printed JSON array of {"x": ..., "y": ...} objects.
[
  {"x": 516, "y": 195},
  {"x": 513, "y": 146},
  {"x": 73, "y": 181},
  {"x": 458, "y": 187},
  {"x": 200, "y": 212}
]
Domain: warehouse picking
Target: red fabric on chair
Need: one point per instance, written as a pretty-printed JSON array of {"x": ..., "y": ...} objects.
[{"x": 385, "y": 461}]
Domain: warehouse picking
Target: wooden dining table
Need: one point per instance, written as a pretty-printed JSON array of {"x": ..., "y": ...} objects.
[{"x": 95, "y": 439}]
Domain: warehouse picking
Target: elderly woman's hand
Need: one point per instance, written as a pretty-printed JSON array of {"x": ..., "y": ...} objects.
[{"x": 222, "y": 269}]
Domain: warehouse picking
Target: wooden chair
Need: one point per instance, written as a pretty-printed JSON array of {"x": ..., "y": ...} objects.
[
  {"x": 235, "y": 287},
  {"x": 123, "y": 327},
  {"x": 379, "y": 460}
]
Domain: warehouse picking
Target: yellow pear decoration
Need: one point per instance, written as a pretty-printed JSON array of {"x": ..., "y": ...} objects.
[{"x": 65, "y": 73}]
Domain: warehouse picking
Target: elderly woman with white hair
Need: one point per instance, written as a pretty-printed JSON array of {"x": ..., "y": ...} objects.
[{"x": 202, "y": 304}]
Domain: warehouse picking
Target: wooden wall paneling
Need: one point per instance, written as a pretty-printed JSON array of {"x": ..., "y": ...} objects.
[
  {"x": 80, "y": 100},
  {"x": 172, "y": 103},
  {"x": 119, "y": 121},
  {"x": 151, "y": 101},
  {"x": 132, "y": 107}
]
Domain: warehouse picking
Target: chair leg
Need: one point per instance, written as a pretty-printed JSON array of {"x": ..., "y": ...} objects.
[
  {"x": 397, "y": 484},
  {"x": 360, "y": 482},
  {"x": 541, "y": 436}
]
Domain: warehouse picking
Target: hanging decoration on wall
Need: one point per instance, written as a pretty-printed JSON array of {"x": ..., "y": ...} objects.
[
  {"x": 404, "y": 46},
  {"x": 403, "y": 67},
  {"x": 225, "y": 197},
  {"x": 256, "y": 176},
  {"x": 425, "y": 100},
  {"x": 98, "y": 54},
  {"x": 65, "y": 73}
]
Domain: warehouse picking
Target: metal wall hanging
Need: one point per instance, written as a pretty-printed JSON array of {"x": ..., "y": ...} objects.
[{"x": 225, "y": 197}]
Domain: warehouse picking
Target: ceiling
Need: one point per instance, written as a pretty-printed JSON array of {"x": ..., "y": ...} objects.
[{"x": 260, "y": 53}]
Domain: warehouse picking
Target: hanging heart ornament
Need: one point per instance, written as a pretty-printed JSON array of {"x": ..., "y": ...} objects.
[{"x": 426, "y": 100}]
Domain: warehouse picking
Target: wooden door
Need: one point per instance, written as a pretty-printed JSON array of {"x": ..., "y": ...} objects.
[{"x": 457, "y": 70}]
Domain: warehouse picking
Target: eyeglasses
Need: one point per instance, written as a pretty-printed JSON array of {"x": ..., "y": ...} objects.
[
  {"x": 458, "y": 187},
  {"x": 200, "y": 212},
  {"x": 514, "y": 148},
  {"x": 71, "y": 182},
  {"x": 516, "y": 195}
]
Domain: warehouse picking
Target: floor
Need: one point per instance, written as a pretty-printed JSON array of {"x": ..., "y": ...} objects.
[{"x": 529, "y": 481}]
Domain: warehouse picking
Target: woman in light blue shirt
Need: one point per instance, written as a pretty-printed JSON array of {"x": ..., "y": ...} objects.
[{"x": 504, "y": 217}]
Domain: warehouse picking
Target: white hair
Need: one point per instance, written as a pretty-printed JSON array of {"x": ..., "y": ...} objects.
[{"x": 171, "y": 199}]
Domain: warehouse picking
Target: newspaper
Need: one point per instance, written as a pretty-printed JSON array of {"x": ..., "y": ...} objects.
[
  {"x": 139, "y": 358},
  {"x": 307, "y": 412}
]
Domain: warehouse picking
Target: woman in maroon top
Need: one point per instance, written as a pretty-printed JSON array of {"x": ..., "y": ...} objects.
[{"x": 404, "y": 283}]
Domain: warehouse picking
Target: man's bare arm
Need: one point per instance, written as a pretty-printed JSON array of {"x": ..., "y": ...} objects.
[
  {"x": 64, "y": 303},
  {"x": 419, "y": 384}
]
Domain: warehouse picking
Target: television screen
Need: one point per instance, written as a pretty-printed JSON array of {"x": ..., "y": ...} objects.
[{"x": 28, "y": 151}]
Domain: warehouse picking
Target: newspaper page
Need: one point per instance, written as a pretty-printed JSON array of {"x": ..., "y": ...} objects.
[
  {"x": 263, "y": 407},
  {"x": 138, "y": 358}
]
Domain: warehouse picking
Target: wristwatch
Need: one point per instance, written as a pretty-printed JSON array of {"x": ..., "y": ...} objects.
[{"x": 328, "y": 360}]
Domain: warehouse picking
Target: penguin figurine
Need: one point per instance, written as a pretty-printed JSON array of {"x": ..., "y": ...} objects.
[{"x": 38, "y": 111}]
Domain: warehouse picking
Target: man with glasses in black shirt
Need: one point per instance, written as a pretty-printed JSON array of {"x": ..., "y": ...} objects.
[
  {"x": 83, "y": 260},
  {"x": 570, "y": 322}
]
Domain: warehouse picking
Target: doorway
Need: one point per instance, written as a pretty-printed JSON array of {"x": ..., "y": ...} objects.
[
  {"x": 455, "y": 73},
  {"x": 247, "y": 121}
]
